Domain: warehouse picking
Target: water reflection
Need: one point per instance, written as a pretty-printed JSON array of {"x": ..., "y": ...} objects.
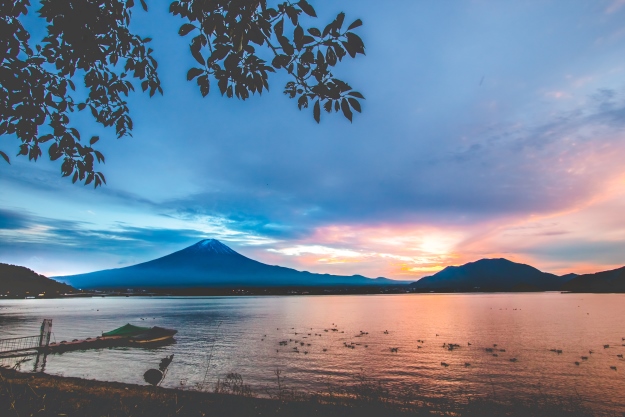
[{"x": 500, "y": 343}]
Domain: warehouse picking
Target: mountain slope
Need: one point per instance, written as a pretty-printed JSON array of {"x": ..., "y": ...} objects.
[
  {"x": 209, "y": 263},
  {"x": 18, "y": 281},
  {"x": 606, "y": 281},
  {"x": 491, "y": 275}
]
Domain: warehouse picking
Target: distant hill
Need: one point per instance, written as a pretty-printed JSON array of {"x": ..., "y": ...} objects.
[
  {"x": 606, "y": 281},
  {"x": 210, "y": 263},
  {"x": 19, "y": 282},
  {"x": 491, "y": 275},
  {"x": 568, "y": 277}
]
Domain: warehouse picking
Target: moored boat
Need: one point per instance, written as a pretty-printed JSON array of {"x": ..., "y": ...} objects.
[
  {"x": 141, "y": 335},
  {"x": 154, "y": 335},
  {"x": 126, "y": 331},
  {"x": 127, "y": 335}
]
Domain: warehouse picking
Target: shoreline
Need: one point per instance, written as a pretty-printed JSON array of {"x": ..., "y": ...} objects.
[
  {"x": 71, "y": 396},
  {"x": 283, "y": 292},
  {"x": 25, "y": 394}
]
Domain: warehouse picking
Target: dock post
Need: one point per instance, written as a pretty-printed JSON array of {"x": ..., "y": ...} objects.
[
  {"x": 46, "y": 332},
  {"x": 37, "y": 367},
  {"x": 44, "y": 341}
]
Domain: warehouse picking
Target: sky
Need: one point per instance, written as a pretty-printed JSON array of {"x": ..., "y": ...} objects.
[{"x": 490, "y": 129}]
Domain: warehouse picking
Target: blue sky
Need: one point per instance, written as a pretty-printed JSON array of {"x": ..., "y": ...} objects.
[{"x": 490, "y": 129}]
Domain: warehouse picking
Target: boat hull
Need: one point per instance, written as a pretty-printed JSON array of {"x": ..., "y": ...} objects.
[{"x": 154, "y": 335}]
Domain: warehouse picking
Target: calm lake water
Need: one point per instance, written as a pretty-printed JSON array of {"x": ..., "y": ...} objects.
[{"x": 218, "y": 335}]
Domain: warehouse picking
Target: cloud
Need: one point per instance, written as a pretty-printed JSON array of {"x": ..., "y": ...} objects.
[
  {"x": 35, "y": 239},
  {"x": 11, "y": 220},
  {"x": 615, "y": 6},
  {"x": 499, "y": 170},
  {"x": 317, "y": 250}
]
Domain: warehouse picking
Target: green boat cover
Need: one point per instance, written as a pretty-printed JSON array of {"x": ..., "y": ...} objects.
[{"x": 127, "y": 330}]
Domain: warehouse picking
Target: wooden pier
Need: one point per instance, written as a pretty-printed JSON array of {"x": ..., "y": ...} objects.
[{"x": 31, "y": 345}]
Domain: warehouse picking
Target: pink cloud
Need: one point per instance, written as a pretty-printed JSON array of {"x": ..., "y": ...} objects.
[{"x": 552, "y": 241}]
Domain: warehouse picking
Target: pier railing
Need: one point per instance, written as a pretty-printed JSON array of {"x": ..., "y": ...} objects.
[
  {"x": 19, "y": 344},
  {"x": 26, "y": 343}
]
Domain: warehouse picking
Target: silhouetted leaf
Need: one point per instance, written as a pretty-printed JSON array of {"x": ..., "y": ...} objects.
[
  {"x": 54, "y": 151},
  {"x": 302, "y": 102},
  {"x": 339, "y": 20},
  {"x": 327, "y": 29},
  {"x": 330, "y": 57},
  {"x": 307, "y": 8},
  {"x": 355, "y": 24},
  {"x": 223, "y": 85},
  {"x": 286, "y": 46},
  {"x": 195, "y": 52},
  {"x": 315, "y": 32},
  {"x": 298, "y": 36},
  {"x": 356, "y": 94},
  {"x": 317, "y": 111},
  {"x": 278, "y": 28},
  {"x": 346, "y": 110},
  {"x": 45, "y": 138},
  {"x": 356, "y": 43},
  {"x": 186, "y": 28},
  {"x": 204, "y": 84},
  {"x": 354, "y": 103},
  {"x": 5, "y": 157},
  {"x": 194, "y": 72},
  {"x": 99, "y": 156}
]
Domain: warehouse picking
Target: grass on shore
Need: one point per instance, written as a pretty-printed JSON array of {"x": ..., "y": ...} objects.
[{"x": 46, "y": 395}]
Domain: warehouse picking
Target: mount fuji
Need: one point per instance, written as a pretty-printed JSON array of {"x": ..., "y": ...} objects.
[{"x": 210, "y": 263}]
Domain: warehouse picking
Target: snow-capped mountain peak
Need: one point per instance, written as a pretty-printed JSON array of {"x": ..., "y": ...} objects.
[{"x": 211, "y": 246}]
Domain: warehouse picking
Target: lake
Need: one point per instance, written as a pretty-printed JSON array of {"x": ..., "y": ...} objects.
[{"x": 400, "y": 340}]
